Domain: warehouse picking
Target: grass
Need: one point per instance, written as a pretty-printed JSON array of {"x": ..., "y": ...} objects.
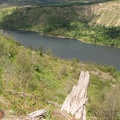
[{"x": 43, "y": 78}]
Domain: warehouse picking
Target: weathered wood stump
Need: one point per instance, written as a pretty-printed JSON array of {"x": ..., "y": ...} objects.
[{"x": 75, "y": 101}]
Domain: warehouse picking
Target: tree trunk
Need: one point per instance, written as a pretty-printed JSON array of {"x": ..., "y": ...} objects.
[{"x": 75, "y": 101}]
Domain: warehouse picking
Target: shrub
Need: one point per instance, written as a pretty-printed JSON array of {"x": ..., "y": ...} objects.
[{"x": 62, "y": 70}]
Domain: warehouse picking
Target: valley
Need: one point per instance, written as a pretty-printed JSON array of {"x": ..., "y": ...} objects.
[
  {"x": 45, "y": 45},
  {"x": 87, "y": 23}
]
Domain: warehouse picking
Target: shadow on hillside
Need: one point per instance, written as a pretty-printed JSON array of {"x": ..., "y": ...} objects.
[{"x": 50, "y": 17}]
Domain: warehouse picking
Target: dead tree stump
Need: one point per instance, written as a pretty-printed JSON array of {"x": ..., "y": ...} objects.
[{"x": 75, "y": 101}]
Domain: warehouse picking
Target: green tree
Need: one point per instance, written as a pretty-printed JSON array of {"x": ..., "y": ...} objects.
[{"x": 60, "y": 18}]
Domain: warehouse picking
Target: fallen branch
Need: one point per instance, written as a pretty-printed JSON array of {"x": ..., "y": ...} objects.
[{"x": 37, "y": 114}]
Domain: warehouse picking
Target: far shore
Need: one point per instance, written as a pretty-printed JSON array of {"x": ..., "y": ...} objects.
[{"x": 61, "y": 37}]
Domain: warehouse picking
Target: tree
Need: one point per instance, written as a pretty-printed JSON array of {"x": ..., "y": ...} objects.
[
  {"x": 60, "y": 18},
  {"x": 113, "y": 32}
]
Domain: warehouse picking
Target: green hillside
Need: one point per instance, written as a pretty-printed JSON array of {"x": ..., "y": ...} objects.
[
  {"x": 88, "y": 23},
  {"x": 29, "y": 80},
  {"x": 47, "y": 2}
]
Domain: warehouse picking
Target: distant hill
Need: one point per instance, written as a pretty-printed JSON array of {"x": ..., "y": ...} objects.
[
  {"x": 34, "y": 2},
  {"x": 90, "y": 23},
  {"x": 46, "y": 2}
]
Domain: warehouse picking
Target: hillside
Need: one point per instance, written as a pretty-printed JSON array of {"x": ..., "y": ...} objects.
[
  {"x": 46, "y": 2},
  {"x": 88, "y": 23},
  {"x": 33, "y": 80},
  {"x": 42, "y": 77},
  {"x": 107, "y": 14}
]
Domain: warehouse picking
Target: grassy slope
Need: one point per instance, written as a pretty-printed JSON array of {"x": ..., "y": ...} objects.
[{"x": 44, "y": 77}]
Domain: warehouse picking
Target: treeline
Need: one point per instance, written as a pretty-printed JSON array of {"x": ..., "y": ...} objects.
[
  {"x": 24, "y": 2},
  {"x": 50, "y": 2},
  {"x": 47, "y": 17}
]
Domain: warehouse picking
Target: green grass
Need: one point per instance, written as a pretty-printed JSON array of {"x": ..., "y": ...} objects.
[{"x": 44, "y": 78}]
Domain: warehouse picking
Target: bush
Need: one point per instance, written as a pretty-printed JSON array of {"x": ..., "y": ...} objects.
[{"x": 63, "y": 70}]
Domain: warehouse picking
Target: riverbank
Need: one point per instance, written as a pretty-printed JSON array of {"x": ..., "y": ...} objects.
[
  {"x": 68, "y": 48},
  {"x": 65, "y": 22},
  {"x": 79, "y": 40},
  {"x": 101, "y": 44},
  {"x": 82, "y": 40}
]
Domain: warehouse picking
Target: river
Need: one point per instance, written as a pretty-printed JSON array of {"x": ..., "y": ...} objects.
[{"x": 69, "y": 48}]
